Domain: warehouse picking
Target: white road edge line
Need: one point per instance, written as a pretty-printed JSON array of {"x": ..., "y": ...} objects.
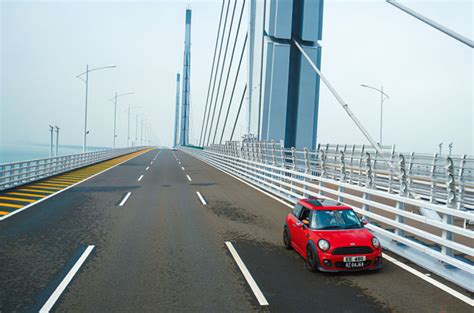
[
  {"x": 67, "y": 279},
  {"x": 182, "y": 168},
  {"x": 62, "y": 190},
  {"x": 189, "y": 178},
  {"x": 430, "y": 280},
  {"x": 253, "y": 285},
  {"x": 140, "y": 178},
  {"x": 390, "y": 259},
  {"x": 147, "y": 168},
  {"x": 125, "y": 199},
  {"x": 201, "y": 198}
]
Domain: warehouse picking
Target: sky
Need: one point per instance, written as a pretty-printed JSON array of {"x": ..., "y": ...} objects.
[{"x": 44, "y": 45}]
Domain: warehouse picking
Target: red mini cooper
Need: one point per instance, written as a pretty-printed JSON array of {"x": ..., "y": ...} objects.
[{"x": 331, "y": 237}]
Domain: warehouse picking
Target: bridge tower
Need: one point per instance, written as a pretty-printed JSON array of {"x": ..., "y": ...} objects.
[
  {"x": 176, "y": 114},
  {"x": 290, "y": 86},
  {"x": 184, "y": 135}
]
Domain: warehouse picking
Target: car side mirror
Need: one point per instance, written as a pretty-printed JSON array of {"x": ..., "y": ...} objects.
[
  {"x": 364, "y": 221},
  {"x": 305, "y": 223}
]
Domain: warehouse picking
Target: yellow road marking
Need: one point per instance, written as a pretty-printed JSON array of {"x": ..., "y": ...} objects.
[
  {"x": 8, "y": 205},
  {"x": 17, "y": 199},
  {"x": 44, "y": 187},
  {"x": 36, "y": 190},
  {"x": 62, "y": 180},
  {"x": 52, "y": 184},
  {"x": 4, "y": 212},
  {"x": 25, "y": 194}
]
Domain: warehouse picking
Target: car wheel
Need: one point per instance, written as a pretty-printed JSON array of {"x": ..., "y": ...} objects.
[
  {"x": 311, "y": 259},
  {"x": 286, "y": 238}
]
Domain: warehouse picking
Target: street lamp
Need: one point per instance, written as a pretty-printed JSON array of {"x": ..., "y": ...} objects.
[
  {"x": 128, "y": 131},
  {"x": 57, "y": 139},
  {"x": 115, "y": 111},
  {"x": 87, "y": 89},
  {"x": 383, "y": 96}
]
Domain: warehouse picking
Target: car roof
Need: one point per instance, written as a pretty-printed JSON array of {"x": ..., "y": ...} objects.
[{"x": 322, "y": 204}]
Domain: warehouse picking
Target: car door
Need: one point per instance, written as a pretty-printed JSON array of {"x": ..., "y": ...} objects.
[
  {"x": 300, "y": 236},
  {"x": 294, "y": 223}
]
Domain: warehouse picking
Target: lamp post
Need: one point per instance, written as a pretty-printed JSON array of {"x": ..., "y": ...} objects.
[
  {"x": 51, "y": 129},
  {"x": 87, "y": 90},
  {"x": 383, "y": 97},
  {"x": 128, "y": 131},
  {"x": 115, "y": 112},
  {"x": 57, "y": 139}
]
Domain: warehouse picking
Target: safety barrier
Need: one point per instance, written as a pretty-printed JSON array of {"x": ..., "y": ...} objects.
[
  {"x": 19, "y": 173},
  {"x": 403, "y": 202}
]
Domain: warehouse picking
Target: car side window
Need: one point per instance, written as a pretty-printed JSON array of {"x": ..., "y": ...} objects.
[
  {"x": 297, "y": 210},
  {"x": 305, "y": 213}
]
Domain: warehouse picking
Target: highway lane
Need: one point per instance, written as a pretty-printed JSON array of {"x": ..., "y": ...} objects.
[
  {"x": 253, "y": 221},
  {"x": 163, "y": 250}
]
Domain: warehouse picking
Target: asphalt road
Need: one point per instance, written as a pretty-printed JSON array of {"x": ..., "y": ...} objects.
[{"x": 164, "y": 251}]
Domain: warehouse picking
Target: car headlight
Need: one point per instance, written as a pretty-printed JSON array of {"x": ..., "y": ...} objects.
[
  {"x": 375, "y": 243},
  {"x": 323, "y": 245}
]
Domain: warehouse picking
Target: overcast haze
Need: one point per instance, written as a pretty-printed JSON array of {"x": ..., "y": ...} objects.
[{"x": 44, "y": 45}]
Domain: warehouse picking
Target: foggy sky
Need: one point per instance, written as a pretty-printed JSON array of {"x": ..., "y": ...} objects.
[{"x": 44, "y": 45}]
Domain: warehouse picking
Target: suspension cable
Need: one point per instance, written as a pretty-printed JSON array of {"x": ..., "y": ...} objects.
[
  {"x": 230, "y": 66},
  {"x": 233, "y": 89},
  {"x": 238, "y": 112},
  {"x": 222, "y": 72},
  {"x": 212, "y": 70},
  {"x": 217, "y": 69}
]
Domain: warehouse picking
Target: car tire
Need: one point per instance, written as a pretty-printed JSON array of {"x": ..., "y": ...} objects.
[
  {"x": 286, "y": 238},
  {"x": 311, "y": 258}
]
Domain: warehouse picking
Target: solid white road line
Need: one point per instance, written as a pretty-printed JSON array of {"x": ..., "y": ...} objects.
[
  {"x": 201, "y": 198},
  {"x": 140, "y": 178},
  {"x": 253, "y": 285},
  {"x": 430, "y": 280},
  {"x": 182, "y": 168},
  {"x": 390, "y": 259},
  {"x": 62, "y": 286},
  {"x": 147, "y": 168},
  {"x": 189, "y": 178},
  {"x": 62, "y": 190},
  {"x": 125, "y": 199}
]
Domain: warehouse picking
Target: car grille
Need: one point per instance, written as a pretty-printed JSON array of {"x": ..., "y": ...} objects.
[
  {"x": 352, "y": 250},
  {"x": 343, "y": 265}
]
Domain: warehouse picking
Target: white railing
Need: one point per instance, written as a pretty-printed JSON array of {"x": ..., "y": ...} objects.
[
  {"x": 19, "y": 173},
  {"x": 383, "y": 195}
]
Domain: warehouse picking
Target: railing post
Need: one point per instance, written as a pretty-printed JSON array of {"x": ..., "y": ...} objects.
[
  {"x": 342, "y": 176},
  {"x": 322, "y": 157},
  {"x": 369, "y": 182},
  {"x": 273, "y": 153},
  {"x": 306, "y": 171},
  {"x": 450, "y": 203},
  {"x": 433, "y": 178},
  {"x": 461, "y": 192},
  {"x": 402, "y": 192}
]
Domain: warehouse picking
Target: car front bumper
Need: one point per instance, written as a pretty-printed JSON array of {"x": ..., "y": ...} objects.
[{"x": 335, "y": 263}]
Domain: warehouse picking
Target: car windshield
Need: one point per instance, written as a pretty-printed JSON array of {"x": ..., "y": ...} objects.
[{"x": 335, "y": 219}]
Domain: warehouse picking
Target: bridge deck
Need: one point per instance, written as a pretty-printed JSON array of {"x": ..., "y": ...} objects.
[{"x": 161, "y": 249}]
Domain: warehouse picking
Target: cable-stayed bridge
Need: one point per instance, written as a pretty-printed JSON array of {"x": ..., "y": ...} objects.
[{"x": 199, "y": 227}]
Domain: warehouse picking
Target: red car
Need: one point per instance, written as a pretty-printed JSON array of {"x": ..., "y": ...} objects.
[{"x": 330, "y": 237}]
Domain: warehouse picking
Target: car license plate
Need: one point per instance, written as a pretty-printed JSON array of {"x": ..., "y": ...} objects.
[
  {"x": 354, "y": 264},
  {"x": 358, "y": 258}
]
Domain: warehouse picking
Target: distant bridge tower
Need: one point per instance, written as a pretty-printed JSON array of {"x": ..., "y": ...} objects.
[
  {"x": 184, "y": 136},
  {"x": 291, "y": 87},
  {"x": 176, "y": 114}
]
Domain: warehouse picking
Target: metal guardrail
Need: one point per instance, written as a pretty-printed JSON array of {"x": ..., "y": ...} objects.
[
  {"x": 19, "y": 173},
  {"x": 444, "y": 245}
]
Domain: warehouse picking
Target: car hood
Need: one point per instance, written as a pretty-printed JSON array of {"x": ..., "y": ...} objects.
[{"x": 347, "y": 238}]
